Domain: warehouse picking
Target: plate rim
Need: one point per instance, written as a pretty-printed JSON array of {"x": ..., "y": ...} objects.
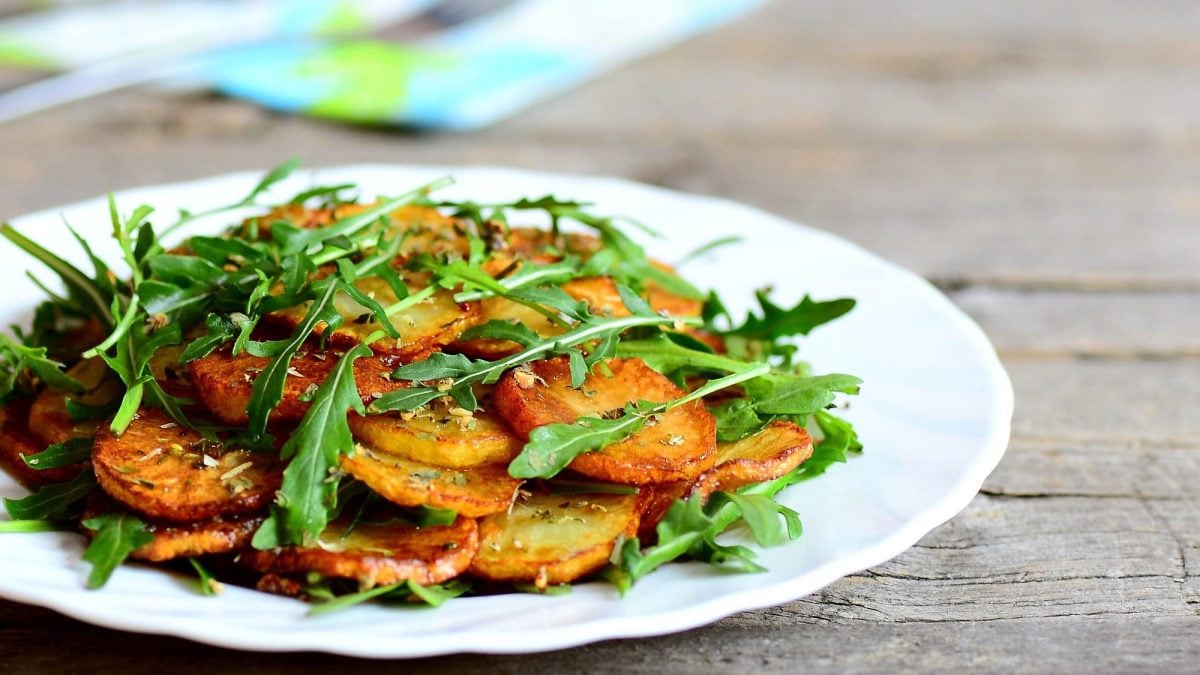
[{"x": 691, "y": 616}]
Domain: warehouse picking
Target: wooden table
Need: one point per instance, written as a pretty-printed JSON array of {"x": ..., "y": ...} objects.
[{"x": 1039, "y": 161}]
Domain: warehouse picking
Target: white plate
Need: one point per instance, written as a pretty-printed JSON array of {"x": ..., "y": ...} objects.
[{"x": 934, "y": 415}]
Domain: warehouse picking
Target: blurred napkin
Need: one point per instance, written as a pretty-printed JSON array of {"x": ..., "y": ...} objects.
[{"x": 296, "y": 56}]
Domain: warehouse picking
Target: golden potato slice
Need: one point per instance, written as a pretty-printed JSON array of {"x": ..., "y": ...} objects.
[
  {"x": 439, "y": 435},
  {"x": 424, "y": 327},
  {"x": 677, "y": 445},
  {"x": 553, "y": 539},
  {"x": 48, "y": 417},
  {"x": 427, "y": 230},
  {"x": 224, "y": 383},
  {"x": 171, "y": 375},
  {"x": 471, "y": 491},
  {"x": 164, "y": 471},
  {"x": 503, "y": 309},
  {"x": 776, "y": 450},
  {"x": 656, "y": 500},
  {"x": 204, "y": 537},
  {"x": 16, "y": 440},
  {"x": 183, "y": 540},
  {"x": 599, "y": 292},
  {"x": 531, "y": 243},
  {"x": 378, "y": 555}
]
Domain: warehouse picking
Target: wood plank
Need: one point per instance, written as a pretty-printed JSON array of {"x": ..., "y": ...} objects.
[
  {"x": 1120, "y": 402},
  {"x": 1024, "y": 323}
]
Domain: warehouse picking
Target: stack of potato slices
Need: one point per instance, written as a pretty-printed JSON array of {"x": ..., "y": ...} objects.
[{"x": 337, "y": 400}]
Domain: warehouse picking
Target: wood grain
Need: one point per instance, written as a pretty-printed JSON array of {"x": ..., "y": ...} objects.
[{"x": 1039, "y": 161}]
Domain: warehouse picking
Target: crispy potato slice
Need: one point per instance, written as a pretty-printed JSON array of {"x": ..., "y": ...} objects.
[
  {"x": 471, "y": 491},
  {"x": 48, "y": 417},
  {"x": 599, "y": 292},
  {"x": 776, "y": 450},
  {"x": 160, "y": 470},
  {"x": 183, "y": 540},
  {"x": 553, "y": 539},
  {"x": 424, "y": 327},
  {"x": 439, "y": 435},
  {"x": 203, "y": 537},
  {"x": 16, "y": 440},
  {"x": 224, "y": 383},
  {"x": 171, "y": 375},
  {"x": 678, "y": 445},
  {"x": 427, "y": 229},
  {"x": 378, "y": 555},
  {"x": 503, "y": 309},
  {"x": 656, "y": 500},
  {"x": 532, "y": 243}
]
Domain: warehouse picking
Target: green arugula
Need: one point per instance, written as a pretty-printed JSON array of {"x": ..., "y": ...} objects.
[
  {"x": 117, "y": 535},
  {"x": 17, "y": 359},
  {"x": 12, "y": 526},
  {"x": 52, "y": 502},
  {"x": 403, "y": 592},
  {"x": 307, "y": 495},
  {"x": 60, "y": 454},
  {"x": 206, "y": 583}
]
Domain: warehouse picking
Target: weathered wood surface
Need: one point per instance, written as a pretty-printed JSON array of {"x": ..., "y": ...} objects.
[{"x": 1039, "y": 160}]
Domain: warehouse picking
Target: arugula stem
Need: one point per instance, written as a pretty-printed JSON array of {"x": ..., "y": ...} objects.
[{"x": 568, "y": 339}]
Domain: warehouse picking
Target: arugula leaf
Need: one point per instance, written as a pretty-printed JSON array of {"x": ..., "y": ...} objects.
[
  {"x": 779, "y": 395},
  {"x": 16, "y": 358},
  {"x": 268, "y": 386},
  {"x": 307, "y": 494},
  {"x": 60, "y": 454},
  {"x": 206, "y": 583},
  {"x": 762, "y": 515},
  {"x": 272, "y": 177},
  {"x": 778, "y": 322},
  {"x": 837, "y": 440},
  {"x": 84, "y": 291},
  {"x": 26, "y": 526},
  {"x": 782, "y": 394},
  {"x": 432, "y": 595},
  {"x": 52, "y": 502},
  {"x": 664, "y": 353},
  {"x": 552, "y": 447},
  {"x": 117, "y": 535}
]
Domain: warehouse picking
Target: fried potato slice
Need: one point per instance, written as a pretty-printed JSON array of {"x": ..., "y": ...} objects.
[
  {"x": 677, "y": 445},
  {"x": 16, "y": 440},
  {"x": 378, "y": 554},
  {"x": 776, "y": 450},
  {"x": 503, "y": 309},
  {"x": 425, "y": 228},
  {"x": 424, "y": 327},
  {"x": 48, "y": 418},
  {"x": 203, "y": 537},
  {"x": 657, "y": 498},
  {"x": 160, "y": 470},
  {"x": 171, "y": 375},
  {"x": 600, "y": 293},
  {"x": 470, "y": 491},
  {"x": 443, "y": 436},
  {"x": 553, "y": 539},
  {"x": 224, "y": 383},
  {"x": 183, "y": 540},
  {"x": 533, "y": 243}
]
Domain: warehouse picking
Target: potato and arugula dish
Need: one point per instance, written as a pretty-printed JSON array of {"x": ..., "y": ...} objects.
[{"x": 405, "y": 398}]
